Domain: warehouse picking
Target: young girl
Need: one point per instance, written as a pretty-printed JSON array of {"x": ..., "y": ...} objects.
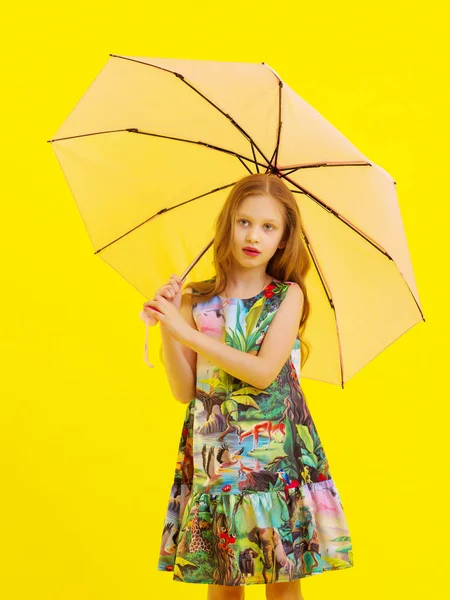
[{"x": 253, "y": 500}]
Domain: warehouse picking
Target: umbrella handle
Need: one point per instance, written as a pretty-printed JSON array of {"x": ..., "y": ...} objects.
[
  {"x": 146, "y": 344},
  {"x": 146, "y": 318}
]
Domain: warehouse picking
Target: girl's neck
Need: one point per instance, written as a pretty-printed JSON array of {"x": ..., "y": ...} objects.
[{"x": 245, "y": 290}]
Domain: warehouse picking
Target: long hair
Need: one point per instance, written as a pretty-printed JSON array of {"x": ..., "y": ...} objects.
[{"x": 289, "y": 263}]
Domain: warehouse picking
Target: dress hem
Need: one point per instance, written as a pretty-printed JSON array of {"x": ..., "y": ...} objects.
[{"x": 305, "y": 576}]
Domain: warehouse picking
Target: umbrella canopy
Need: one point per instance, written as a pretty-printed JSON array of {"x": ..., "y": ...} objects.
[{"x": 152, "y": 149}]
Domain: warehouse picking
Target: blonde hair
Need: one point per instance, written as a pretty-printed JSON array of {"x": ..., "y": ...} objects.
[{"x": 289, "y": 263}]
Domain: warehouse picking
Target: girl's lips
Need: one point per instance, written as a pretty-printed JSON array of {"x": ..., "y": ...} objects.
[{"x": 250, "y": 252}]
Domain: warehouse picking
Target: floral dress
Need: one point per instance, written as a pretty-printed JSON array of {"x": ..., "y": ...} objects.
[{"x": 253, "y": 499}]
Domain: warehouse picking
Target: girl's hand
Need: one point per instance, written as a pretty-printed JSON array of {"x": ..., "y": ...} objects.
[
  {"x": 169, "y": 317},
  {"x": 172, "y": 291}
]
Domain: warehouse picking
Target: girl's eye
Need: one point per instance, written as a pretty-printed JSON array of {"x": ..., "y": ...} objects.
[{"x": 240, "y": 221}]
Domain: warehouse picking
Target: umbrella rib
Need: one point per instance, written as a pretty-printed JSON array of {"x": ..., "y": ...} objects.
[
  {"x": 322, "y": 204},
  {"x": 293, "y": 168},
  {"x": 329, "y": 298},
  {"x": 181, "y": 77},
  {"x": 322, "y": 279},
  {"x": 316, "y": 263},
  {"x": 353, "y": 163},
  {"x": 254, "y": 158},
  {"x": 212, "y": 146},
  {"x": 164, "y": 210},
  {"x": 168, "y": 137},
  {"x": 245, "y": 165},
  {"x": 275, "y": 152}
]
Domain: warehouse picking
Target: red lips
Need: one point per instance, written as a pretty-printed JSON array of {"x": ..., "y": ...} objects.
[{"x": 251, "y": 249}]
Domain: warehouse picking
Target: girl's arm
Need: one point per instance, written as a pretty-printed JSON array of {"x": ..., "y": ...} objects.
[
  {"x": 260, "y": 370},
  {"x": 180, "y": 361}
]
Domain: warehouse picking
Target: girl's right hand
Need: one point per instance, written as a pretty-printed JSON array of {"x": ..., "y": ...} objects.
[{"x": 172, "y": 291}]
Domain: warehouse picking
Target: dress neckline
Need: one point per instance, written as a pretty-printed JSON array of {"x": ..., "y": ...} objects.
[{"x": 271, "y": 282}]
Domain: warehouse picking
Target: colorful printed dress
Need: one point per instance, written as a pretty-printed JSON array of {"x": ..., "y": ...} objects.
[{"x": 253, "y": 500}]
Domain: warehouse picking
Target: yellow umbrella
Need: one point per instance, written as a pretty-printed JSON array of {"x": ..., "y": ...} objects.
[{"x": 154, "y": 146}]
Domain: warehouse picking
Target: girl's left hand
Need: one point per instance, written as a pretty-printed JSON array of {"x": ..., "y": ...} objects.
[{"x": 168, "y": 316}]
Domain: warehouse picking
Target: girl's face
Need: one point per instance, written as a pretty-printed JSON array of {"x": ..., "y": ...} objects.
[{"x": 259, "y": 223}]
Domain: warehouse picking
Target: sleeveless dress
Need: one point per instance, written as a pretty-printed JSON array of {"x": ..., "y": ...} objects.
[{"x": 252, "y": 500}]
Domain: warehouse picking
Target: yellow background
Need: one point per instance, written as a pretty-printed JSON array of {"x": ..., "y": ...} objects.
[{"x": 88, "y": 433}]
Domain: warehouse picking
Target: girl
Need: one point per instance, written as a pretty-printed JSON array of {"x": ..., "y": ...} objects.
[{"x": 253, "y": 500}]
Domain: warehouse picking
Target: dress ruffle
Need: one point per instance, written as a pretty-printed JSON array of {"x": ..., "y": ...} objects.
[{"x": 289, "y": 534}]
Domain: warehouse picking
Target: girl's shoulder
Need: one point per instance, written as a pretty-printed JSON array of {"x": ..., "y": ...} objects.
[{"x": 280, "y": 288}]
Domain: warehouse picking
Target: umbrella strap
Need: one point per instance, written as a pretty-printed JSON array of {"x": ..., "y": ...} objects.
[{"x": 146, "y": 345}]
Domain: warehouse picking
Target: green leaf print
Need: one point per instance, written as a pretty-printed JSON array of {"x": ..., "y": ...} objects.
[
  {"x": 247, "y": 342},
  {"x": 289, "y": 441},
  {"x": 232, "y": 338},
  {"x": 238, "y": 322},
  {"x": 253, "y": 314},
  {"x": 256, "y": 334},
  {"x": 337, "y": 563},
  {"x": 284, "y": 463},
  {"x": 321, "y": 464},
  {"x": 223, "y": 383},
  {"x": 177, "y": 572},
  {"x": 345, "y": 549},
  {"x": 245, "y": 400},
  {"x": 309, "y": 459},
  {"x": 213, "y": 382},
  {"x": 250, "y": 390},
  {"x": 252, "y": 339},
  {"x": 305, "y": 436},
  {"x": 183, "y": 562},
  {"x": 227, "y": 379},
  {"x": 228, "y": 407},
  {"x": 266, "y": 322}
]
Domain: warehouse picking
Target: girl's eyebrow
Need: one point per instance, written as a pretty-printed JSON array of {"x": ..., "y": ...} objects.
[{"x": 247, "y": 217}]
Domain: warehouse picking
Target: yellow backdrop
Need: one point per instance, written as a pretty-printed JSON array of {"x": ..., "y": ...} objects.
[{"x": 88, "y": 433}]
